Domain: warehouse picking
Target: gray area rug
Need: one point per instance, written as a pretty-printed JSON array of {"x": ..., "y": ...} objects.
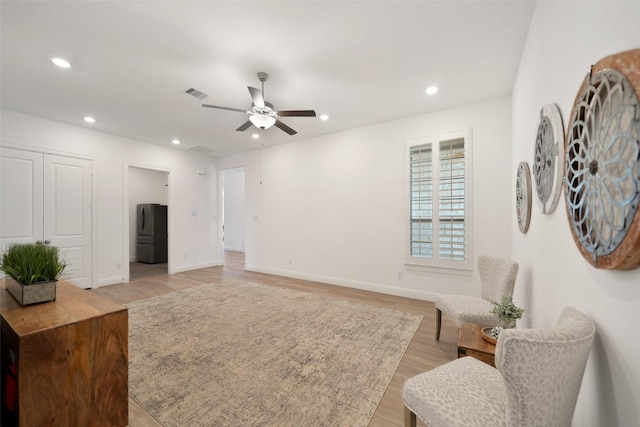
[{"x": 243, "y": 354}]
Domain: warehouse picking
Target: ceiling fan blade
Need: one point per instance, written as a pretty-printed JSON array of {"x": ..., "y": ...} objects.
[
  {"x": 225, "y": 108},
  {"x": 297, "y": 113},
  {"x": 256, "y": 95},
  {"x": 285, "y": 128},
  {"x": 246, "y": 125}
]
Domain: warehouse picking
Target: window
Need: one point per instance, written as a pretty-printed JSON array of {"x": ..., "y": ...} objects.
[{"x": 439, "y": 202}]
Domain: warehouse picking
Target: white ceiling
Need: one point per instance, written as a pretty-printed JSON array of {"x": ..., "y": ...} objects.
[{"x": 361, "y": 62}]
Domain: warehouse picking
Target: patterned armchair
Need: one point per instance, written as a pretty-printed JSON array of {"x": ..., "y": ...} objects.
[
  {"x": 498, "y": 277},
  {"x": 536, "y": 383}
]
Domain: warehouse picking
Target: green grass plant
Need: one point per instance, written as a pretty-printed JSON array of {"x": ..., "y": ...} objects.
[{"x": 30, "y": 263}]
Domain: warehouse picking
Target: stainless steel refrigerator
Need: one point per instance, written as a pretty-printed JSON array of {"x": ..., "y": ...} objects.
[{"x": 151, "y": 233}]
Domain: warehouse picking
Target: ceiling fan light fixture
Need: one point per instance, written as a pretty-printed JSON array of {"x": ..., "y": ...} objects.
[
  {"x": 262, "y": 121},
  {"x": 262, "y": 114}
]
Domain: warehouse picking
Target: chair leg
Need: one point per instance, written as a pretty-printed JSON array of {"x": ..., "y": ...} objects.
[
  {"x": 409, "y": 418},
  {"x": 438, "y": 323}
]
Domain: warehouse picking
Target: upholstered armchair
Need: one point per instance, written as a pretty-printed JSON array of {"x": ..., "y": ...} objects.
[
  {"x": 536, "y": 383},
  {"x": 497, "y": 277}
]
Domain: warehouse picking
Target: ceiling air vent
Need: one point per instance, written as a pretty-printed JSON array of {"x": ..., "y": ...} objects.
[
  {"x": 196, "y": 93},
  {"x": 200, "y": 149}
]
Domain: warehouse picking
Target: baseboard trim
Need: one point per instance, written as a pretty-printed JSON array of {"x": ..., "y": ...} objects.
[
  {"x": 190, "y": 267},
  {"x": 365, "y": 286},
  {"x": 110, "y": 281}
]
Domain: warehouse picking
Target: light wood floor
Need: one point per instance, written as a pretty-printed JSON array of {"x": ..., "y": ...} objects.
[
  {"x": 140, "y": 270},
  {"x": 423, "y": 353}
]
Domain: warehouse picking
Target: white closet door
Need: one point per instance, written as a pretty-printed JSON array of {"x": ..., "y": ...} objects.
[
  {"x": 21, "y": 208},
  {"x": 67, "y": 214}
]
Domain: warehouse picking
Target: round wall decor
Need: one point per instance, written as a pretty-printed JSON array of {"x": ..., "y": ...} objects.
[
  {"x": 523, "y": 196},
  {"x": 548, "y": 157},
  {"x": 603, "y": 165}
]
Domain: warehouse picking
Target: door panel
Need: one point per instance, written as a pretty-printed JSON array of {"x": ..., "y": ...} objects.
[
  {"x": 21, "y": 209},
  {"x": 67, "y": 219},
  {"x": 75, "y": 272}
]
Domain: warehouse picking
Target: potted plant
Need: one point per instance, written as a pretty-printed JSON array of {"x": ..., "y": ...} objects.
[
  {"x": 507, "y": 312},
  {"x": 32, "y": 270}
]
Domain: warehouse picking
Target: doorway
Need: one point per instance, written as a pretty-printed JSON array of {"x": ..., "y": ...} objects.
[
  {"x": 233, "y": 210},
  {"x": 147, "y": 187}
]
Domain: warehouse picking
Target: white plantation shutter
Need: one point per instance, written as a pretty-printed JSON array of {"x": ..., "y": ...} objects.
[
  {"x": 421, "y": 193},
  {"x": 438, "y": 201},
  {"x": 451, "y": 200}
]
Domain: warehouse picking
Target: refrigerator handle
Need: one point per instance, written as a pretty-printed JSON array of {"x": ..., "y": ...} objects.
[{"x": 143, "y": 219}]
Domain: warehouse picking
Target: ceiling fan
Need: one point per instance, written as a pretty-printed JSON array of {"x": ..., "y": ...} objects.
[{"x": 262, "y": 114}]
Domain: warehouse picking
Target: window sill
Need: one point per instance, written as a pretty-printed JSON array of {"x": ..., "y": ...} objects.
[{"x": 453, "y": 271}]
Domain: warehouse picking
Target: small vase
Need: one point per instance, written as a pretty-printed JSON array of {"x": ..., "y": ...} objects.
[{"x": 507, "y": 324}]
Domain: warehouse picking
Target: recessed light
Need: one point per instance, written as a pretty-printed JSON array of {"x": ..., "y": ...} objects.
[
  {"x": 431, "y": 90},
  {"x": 175, "y": 141},
  {"x": 89, "y": 119},
  {"x": 324, "y": 117},
  {"x": 62, "y": 63},
  {"x": 255, "y": 136}
]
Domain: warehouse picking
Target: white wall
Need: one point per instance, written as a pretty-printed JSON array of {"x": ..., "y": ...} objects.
[
  {"x": 193, "y": 239},
  {"x": 333, "y": 208},
  {"x": 145, "y": 186},
  {"x": 564, "y": 39},
  {"x": 234, "y": 212}
]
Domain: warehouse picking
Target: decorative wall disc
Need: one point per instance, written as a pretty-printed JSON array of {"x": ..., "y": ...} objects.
[
  {"x": 523, "y": 196},
  {"x": 549, "y": 158},
  {"x": 603, "y": 165}
]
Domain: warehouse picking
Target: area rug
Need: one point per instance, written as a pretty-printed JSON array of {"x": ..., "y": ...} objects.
[{"x": 236, "y": 353}]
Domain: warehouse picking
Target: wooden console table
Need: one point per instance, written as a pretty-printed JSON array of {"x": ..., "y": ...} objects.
[
  {"x": 471, "y": 343},
  {"x": 65, "y": 362}
]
